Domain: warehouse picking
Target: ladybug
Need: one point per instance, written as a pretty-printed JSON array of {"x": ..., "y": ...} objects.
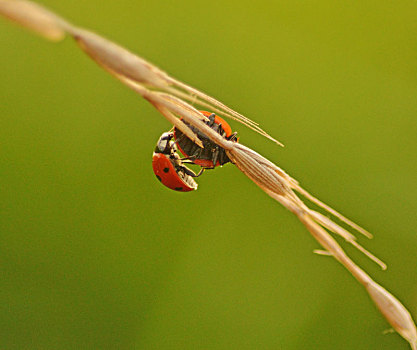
[
  {"x": 211, "y": 155},
  {"x": 169, "y": 168}
]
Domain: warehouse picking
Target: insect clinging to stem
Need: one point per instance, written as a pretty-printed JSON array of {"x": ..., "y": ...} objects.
[
  {"x": 169, "y": 167},
  {"x": 212, "y": 155}
]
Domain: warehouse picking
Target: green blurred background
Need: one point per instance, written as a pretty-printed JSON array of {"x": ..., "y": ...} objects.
[{"x": 97, "y": 254}]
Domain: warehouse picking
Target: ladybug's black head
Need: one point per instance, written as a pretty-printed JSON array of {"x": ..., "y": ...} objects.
[{"x": 164, "y": 144}]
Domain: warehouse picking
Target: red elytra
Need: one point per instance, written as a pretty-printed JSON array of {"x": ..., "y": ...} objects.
[
  {"x": 211, "y": 155},
  {"x": 166, "y": 173}
]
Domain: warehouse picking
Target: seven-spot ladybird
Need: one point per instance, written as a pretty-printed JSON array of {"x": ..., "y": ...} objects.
[
  {"x": 211, "y": 155},
  {"x": 169, "y": 168}
]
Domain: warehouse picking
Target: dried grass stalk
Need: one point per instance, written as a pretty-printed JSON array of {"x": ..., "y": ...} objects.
[
  {"x": 34, "y": 17},
  {"x": 172, "y": 98}
]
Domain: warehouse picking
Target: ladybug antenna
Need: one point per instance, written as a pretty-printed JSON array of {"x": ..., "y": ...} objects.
[{"x": 178, "y": 139}]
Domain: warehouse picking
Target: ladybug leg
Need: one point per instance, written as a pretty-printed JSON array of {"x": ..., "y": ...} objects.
[
  {"x": 189, "y": 160},
  {"x": 211, "y": 119},
  {"x": 215, "y": 156},
  {"x": 200, "y": 172},
  {"x": 192, "y": 173},
  {"x": 233, "y": 137},
  {"x": 222, "y": 155},
  {"x": 220, "y": 130},
  {"x": 195, "y": 155}
]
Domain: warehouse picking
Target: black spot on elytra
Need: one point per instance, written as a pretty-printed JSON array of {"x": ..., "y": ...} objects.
[
  {"x": 166, "y": 170},
  {"x": 158, "y": 177},
  {"x": 178, "y": 188}
]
